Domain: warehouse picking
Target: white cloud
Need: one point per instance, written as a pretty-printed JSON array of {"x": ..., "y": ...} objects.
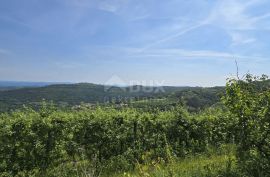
[
  {"x": 235, "y": 17},
  {"x": 68, "y": 65},
  {"x": 112, "y": 5},
  {"x": 196, "y": 54},
  {"x": 235, "y": 14},
  {"x": 138, "y": 18},
  {"x": 170, "y": 54},
  {"x": 230, "y": 14},
  {"x": 15, "y": 21},
  {"x": 105, "y": 5},
  {"x": 172, "y": 36},
  {"x": 241, "y": 39},
  {"x": 4, "y": 51}
]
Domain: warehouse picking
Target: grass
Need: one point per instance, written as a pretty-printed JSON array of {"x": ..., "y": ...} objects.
[
  {"x": 219, "y": 163},
  {"x": 216, "y": 162}
]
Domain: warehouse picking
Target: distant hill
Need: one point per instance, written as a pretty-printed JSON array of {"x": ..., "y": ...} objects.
[
  {"x": 74, "y": 94},
  {"x": 9, "y": 85}
]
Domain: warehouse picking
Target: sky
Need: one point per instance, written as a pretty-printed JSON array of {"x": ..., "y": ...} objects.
[{"x": 172, "y": 42}]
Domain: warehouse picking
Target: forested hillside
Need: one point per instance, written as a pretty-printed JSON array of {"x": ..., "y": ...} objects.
[
  {"x": 228, "y": 139},
  {"x": 68, "y": 95},
  {"x": 10, "y": 85}
]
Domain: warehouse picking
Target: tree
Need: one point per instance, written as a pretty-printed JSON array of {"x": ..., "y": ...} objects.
[{"x": 249, "y": 101}]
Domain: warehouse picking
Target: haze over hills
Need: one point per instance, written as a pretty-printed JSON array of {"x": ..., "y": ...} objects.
[{"x": 7, "y": 85}]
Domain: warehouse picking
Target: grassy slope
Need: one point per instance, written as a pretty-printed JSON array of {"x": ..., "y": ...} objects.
[
  {"x": 218, "y": 162},
  {"x": 212, "y": 164}
]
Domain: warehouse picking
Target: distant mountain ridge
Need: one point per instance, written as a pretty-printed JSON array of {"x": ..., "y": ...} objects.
[
  {"x": 9, "y": 85},
  {"x": 14, "y": 95},
  {"x": 74, "y": 94}
]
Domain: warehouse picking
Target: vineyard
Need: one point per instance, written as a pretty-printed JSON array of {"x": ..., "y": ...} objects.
[{"x": 228, "y": 140}]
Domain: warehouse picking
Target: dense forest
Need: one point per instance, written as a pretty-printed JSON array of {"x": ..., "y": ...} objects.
[
  {"x": 220, "y": 131},
  {"x": 69, "y": 95}
]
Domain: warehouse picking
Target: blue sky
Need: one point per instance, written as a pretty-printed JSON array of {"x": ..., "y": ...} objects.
[{"x": 174, "y": 42}]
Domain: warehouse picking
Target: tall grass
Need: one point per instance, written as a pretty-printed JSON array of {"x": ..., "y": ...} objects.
[{"x": 215, "y": 162}]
